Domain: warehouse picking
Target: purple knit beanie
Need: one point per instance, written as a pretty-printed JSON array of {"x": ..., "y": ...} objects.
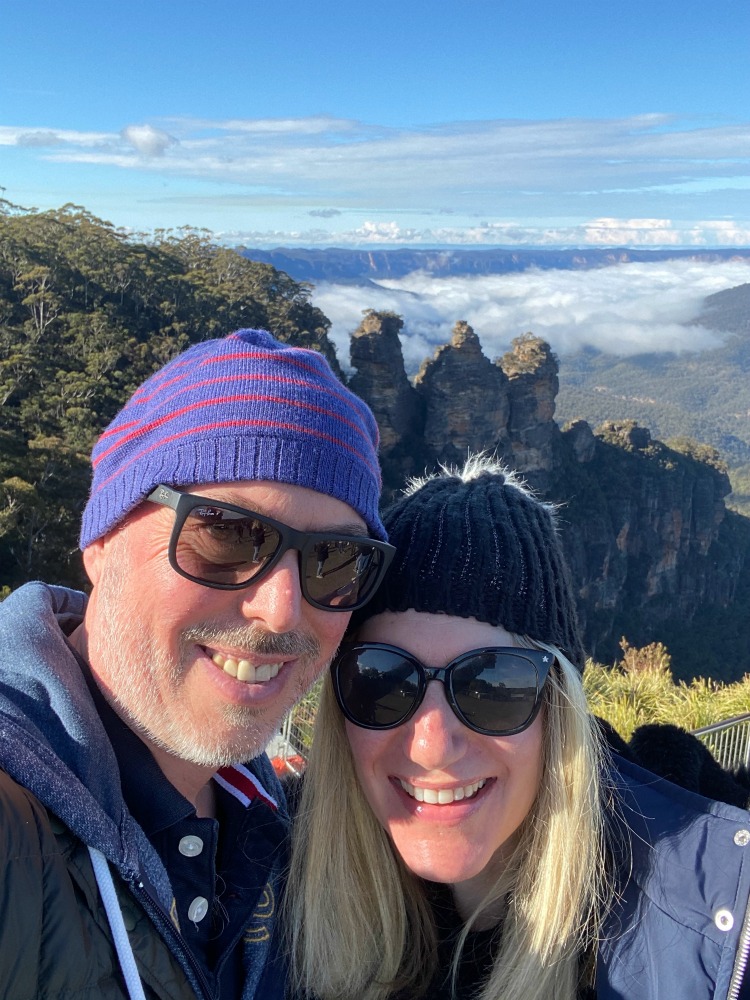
[{"x": 246, "y": 407}]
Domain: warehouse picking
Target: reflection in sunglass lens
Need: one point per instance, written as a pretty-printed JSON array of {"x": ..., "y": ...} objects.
[
  {"x": 222, "y": 546},
  {"x": 495, "y": 691},
  {"x": 377, "y": 687},
  {"x": 340, "y": 573}
]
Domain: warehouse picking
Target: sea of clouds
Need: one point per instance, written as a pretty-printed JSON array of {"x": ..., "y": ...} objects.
[{"x": 624, "y": 309}]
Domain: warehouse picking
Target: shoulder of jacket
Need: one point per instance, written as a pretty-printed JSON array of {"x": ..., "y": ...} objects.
[{"x": 635, "y": 785}]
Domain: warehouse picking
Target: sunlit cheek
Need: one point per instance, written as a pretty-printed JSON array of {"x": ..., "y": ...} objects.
[{"x": 328, "y": 626}]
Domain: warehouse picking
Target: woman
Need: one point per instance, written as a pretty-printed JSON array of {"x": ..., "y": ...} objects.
[{"x": 462, "y": 829}]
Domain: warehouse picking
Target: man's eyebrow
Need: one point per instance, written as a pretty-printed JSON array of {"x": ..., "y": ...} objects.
[{"x": 347, "y": 528}]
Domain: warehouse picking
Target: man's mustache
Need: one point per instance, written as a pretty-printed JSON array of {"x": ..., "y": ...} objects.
[{"x": 255, "y": 639}]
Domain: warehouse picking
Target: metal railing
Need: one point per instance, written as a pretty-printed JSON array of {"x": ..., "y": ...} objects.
[
  {"x": 291, "y": 746},
  {"x": 728, "y": 741}
]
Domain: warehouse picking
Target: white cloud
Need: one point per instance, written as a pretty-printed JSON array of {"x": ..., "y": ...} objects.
[
  {"x": 624, "y": 309},
  {"x": 147, "y": 140},
  {"x": 40, "y": 139},
  {"x": 22, "y": 136},
  {"x": 278, "y": 126}
]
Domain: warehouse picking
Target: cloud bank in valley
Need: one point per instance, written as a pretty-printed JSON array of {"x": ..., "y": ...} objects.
[{"x": 624, "y": 309}]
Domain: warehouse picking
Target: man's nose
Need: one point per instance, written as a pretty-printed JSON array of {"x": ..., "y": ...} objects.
[{"x": 276, "y": 600}]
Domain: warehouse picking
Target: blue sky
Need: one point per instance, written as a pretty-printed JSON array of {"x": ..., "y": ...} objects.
[{"x": 397, "y": 123}]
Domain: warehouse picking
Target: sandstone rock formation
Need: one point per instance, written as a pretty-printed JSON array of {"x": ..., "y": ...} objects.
[
  {"x": 380, "y": 379},
  {"x": 465, "y": 398},
  {"x": 534, "y": 436}
]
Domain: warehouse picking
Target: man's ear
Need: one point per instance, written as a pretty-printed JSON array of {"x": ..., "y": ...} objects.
[{"x": 93, "y": 559}]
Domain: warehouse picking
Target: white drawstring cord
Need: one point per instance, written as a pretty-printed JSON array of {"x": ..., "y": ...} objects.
[{"x": 117, "y": 925}]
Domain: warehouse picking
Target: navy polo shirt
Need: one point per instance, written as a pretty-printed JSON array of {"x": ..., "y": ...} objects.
[{"x": 218, "y": 868}]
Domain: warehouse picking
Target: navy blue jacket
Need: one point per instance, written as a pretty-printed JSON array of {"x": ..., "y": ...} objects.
[{"x": 680, "y": 929}]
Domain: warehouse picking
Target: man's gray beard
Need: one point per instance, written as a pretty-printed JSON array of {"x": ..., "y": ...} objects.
[{"x": 128, "y": 652}]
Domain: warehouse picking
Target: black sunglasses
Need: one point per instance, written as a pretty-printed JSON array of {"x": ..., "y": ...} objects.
[
  {"x": 496, "y": 690},
  {"x": 228, "y": 548}
]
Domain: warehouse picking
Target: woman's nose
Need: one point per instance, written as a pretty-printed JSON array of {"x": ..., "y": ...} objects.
[{"x": 436, "y": 738}]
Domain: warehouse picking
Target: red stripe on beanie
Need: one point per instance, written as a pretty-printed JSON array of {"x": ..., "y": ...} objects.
[
  {"x": 320, "y": 370},
  {"x": 161, "y": 374}
]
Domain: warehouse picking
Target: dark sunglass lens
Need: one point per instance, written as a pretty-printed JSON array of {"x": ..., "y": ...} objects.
[
  {"x": 222, "y": 546},
  {"x": 341, "y": 573},
  {"x": 495, "y": 691},
  {"x": 376, "y": 687}
]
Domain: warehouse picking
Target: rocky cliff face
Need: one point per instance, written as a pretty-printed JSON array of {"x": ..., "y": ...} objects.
[
  {"x": 649, "y": 539},
  {"x": 650, "y": 542}
]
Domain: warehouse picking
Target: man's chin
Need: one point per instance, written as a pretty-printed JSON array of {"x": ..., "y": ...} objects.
[{"x": 216, "y": 755}]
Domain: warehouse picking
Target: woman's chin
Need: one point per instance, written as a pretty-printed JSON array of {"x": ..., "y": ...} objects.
[{"x": 445, "y": 870}]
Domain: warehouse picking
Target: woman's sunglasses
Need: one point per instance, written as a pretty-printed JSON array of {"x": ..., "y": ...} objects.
[
  {"x": 228, "y": 548},
  {"x": 496, "y": 690}
]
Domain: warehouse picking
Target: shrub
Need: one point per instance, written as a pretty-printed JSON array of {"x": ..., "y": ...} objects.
[{"x": 640, "y": 689}]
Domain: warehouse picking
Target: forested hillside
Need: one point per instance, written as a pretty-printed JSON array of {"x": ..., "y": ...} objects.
[{"x": 86, "y": 313}]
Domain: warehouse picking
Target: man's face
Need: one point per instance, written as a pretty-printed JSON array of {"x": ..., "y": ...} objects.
[{"x": 170, "y": 653}]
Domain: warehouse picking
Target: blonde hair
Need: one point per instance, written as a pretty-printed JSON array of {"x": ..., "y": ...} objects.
[{"x": 360, "y": 925}]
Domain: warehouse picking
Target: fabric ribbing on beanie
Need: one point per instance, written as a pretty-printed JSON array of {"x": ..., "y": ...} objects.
[
  {"x": 480, "y": 548},
  {"x": 243, "y": 408}
]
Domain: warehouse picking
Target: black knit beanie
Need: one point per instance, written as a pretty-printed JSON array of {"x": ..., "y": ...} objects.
[{"x": 478, "y": 544}]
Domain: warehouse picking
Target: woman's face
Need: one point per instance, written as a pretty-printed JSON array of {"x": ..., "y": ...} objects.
[{"x": 500, "y": 775}]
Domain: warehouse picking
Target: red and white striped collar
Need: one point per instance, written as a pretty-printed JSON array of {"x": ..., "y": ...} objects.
[{"x": 244, "y": 786}]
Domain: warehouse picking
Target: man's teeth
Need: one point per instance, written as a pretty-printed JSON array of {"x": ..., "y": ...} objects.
[
  {"x": 243, "y": 670},
  {"x": 442, "y": 796}
]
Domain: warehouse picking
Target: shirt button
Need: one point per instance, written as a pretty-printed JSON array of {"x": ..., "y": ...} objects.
[
  {"x": 198, "y": 909},
  {"x": 724, "y": 920},
  {"x": 190, "y": 846},
  {"x": 742, "y": 838}
]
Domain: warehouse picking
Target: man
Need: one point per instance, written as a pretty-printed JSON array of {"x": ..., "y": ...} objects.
[{"x": 231, "y": 529}]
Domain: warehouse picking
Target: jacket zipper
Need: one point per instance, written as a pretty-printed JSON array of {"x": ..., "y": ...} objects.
[
  {"x": 740, "y": 959},
  {"x": 168, "y": 930}
]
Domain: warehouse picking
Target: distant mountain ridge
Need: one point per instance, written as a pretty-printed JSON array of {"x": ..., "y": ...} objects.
[{"x": 338, "y": 264}]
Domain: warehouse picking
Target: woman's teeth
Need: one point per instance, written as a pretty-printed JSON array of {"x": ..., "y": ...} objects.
[
  {"x": 442, "y": 796},
  {"x": 243, "y": 670}
]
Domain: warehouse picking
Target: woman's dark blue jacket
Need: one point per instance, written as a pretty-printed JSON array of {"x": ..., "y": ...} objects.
[{"x": 680, "y": 928}]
